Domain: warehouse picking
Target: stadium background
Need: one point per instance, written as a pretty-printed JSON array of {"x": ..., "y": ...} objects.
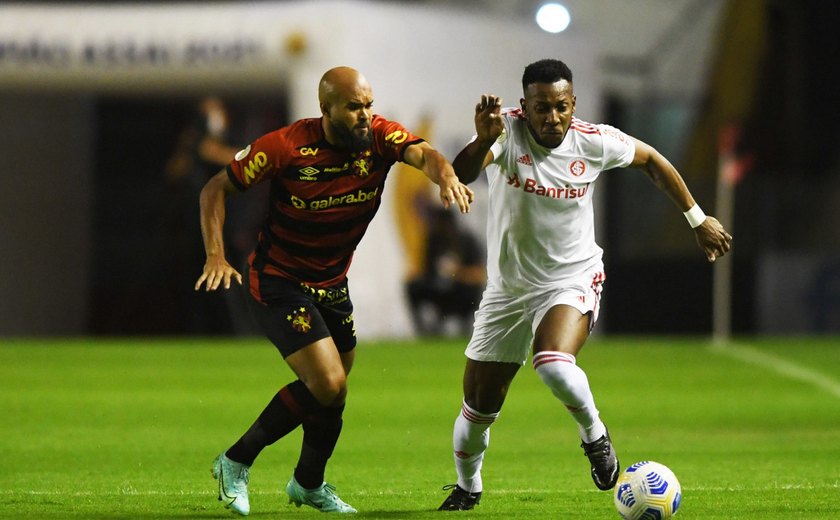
[{"x": 92, "y": 96}]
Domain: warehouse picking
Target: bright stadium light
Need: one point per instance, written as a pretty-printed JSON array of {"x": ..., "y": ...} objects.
[{"x": 553, "y": 18}]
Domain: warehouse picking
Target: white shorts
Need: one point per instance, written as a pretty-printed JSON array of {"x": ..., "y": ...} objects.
[{"x": 505, "y": 324}]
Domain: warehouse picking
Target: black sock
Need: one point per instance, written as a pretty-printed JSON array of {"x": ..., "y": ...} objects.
[
  {"x": 282, "y": 415},
  {"x": 320, "y": 435}
]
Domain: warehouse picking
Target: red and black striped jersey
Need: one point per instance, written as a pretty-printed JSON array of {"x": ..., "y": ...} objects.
[{"x": 322, "y": 198}]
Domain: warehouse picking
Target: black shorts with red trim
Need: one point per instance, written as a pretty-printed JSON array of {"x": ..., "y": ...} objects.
[{"x": 294, "y": 315}]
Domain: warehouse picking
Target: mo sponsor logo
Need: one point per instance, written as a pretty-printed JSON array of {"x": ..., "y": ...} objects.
[{"x": 255, "y": 166}]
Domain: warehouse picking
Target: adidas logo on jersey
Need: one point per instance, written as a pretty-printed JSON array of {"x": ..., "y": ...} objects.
[{"x": 525, "y": 159}]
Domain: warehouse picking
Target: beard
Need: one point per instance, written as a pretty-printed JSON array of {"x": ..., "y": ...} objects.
[{"x": 350, "y": 140}]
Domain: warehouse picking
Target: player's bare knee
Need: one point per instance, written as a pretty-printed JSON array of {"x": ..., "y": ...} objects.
[
  {"x": 487, "y": 400},
  {"x": 330, "y": 389}
]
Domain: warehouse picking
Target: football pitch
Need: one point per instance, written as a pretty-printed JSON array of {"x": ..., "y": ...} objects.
[{"x": 127, "y": 428}]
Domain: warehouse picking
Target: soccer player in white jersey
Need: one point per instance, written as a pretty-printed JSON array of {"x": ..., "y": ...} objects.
[{"x": 544, "y": 267}]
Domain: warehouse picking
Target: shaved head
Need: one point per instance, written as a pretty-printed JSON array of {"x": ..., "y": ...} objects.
[
  {"x": 346, "y": 99},
  {"x": 340, "y": 81}
]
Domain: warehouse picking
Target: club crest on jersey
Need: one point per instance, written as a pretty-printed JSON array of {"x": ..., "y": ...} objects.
[
  {"x": 577, "y": 167},
  {"x": 362, "y": 165},
  {"x": 300, "y": 319}
]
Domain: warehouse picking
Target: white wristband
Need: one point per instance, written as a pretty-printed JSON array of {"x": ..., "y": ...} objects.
[{"x": 694, "y": 216}]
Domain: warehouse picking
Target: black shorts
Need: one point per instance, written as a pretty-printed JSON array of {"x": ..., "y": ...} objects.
[{"x": 294, "y": 315}]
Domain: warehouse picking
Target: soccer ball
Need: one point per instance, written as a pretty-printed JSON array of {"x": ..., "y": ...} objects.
[{"x": 647, "y": 491}]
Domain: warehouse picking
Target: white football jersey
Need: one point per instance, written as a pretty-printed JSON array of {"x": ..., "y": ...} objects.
[{"x": 541, "y": 224}]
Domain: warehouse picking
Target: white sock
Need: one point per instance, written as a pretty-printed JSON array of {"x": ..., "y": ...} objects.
[
  {"x": 568, "y": 382},
  {"x": 470, "y": 439}
]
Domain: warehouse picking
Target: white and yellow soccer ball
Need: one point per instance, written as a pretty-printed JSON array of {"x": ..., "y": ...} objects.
[{"x": 647, "y": 491}]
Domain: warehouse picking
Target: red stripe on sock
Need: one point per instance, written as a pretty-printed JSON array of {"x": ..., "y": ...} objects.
[
  {"x": 473, "y": 417},
  {"x": 290, "y": 402},
  {"x": 552, "y": 357}
]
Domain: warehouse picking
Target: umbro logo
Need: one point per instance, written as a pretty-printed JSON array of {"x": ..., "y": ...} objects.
[
  {"x": 308, "y": 173},
  {"x": 526, "y": 160}
]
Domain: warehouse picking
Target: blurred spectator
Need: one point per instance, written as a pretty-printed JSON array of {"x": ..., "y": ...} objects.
[
  {"x": 201, "y": 150},
  {"x": 445, "y": 295},
  {"x": 202, "y": 147}
]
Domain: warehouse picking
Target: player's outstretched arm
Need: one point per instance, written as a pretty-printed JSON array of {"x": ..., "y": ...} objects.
[
  {"x": 488, "y": 126},
  {"x": 710, "y": 234},
  {"x": 431, "y": 162},
  {"x": 217, "y": 270}
]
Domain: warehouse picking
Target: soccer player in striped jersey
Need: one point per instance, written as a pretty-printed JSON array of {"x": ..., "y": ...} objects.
[
  {"x": 327, "y": 175},
  {"x": 544, "y": 267}
]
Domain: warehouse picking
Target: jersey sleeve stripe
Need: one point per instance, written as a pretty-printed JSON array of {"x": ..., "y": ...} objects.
[
  {"x": 404, "y": 148},
  {"x": 234, "y": 180},
  {"x": 584, "y": 127}
]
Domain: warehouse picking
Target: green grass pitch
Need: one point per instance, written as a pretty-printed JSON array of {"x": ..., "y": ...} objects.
[{"x": 128, "y": 428}]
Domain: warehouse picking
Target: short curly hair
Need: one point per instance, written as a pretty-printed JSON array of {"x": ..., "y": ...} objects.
[{"x": 545, "y": 71}]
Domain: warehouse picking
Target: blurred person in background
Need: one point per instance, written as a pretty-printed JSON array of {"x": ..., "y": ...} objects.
[
  {"x": 201, "y": 149},
  {"x": 545, "y": 270},
  {"x": 449, "y": 288},
  {"x": 327, "y": 175}
]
